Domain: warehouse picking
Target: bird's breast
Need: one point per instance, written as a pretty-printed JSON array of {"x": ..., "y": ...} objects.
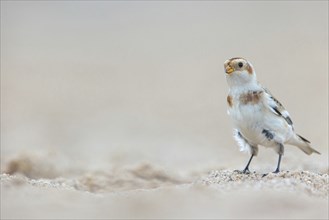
[
  {"x": 250, "y": 98},
  {"x": 247, "y": 106},
  {"x": 247, "y": 112}
]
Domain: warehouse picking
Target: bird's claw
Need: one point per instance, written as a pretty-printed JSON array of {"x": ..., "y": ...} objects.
[
  {"x": 245, "y": 171},
  {"x": 274, "y": 172}
]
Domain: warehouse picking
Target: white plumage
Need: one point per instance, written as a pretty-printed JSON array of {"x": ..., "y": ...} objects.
[{"x": 258, "y": 117}]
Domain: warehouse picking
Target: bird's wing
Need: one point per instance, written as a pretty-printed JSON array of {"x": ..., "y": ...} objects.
[{"x": 277, "y": 108}]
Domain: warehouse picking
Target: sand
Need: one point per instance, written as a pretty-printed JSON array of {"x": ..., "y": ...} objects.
[
  {"x": 148, "y": 191},
  {"x": 117, "y": 109}
]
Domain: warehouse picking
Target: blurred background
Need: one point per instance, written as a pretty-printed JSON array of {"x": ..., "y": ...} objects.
[{"x": 92, "y": 85}]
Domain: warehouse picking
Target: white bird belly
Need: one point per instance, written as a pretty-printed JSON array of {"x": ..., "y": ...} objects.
[{"x": 260, "y": 126}]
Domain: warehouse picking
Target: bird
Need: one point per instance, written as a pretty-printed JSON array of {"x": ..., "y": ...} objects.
[{"x": 258, "y": 117}]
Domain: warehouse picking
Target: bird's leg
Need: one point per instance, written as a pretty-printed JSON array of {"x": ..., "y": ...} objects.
[
  {"x": 281, "y": 150},
  {"x": 246, "y": 169},
  {"x": 277, "y": 170}
]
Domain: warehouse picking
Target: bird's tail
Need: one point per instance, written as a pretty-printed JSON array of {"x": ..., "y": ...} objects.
[{"x": 302, "y": 144}]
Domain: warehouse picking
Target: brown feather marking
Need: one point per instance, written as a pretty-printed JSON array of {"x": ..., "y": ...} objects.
[
  {"x": 249, "y": 69},
  {"x": 251, "y": 97},
  {"x": 230, "y": 100}
]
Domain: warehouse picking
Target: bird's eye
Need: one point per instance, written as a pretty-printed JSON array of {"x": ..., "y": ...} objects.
[{"x": 240, "y": 64}]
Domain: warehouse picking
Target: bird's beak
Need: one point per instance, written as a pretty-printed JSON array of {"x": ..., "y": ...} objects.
[{"x": 229, "y": 69}]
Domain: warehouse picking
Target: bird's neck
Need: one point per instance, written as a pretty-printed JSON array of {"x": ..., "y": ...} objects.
[{"x": 245, "y": 88}]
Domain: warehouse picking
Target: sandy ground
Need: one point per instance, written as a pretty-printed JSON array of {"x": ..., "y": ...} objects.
[
  {"x": 147, "y": 191},
  {"x": 144, "y": 191},
  {"x": 116, "y": 109}
]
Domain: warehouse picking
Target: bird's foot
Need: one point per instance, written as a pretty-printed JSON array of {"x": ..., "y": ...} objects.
[
  {"x": 275, "y": 172},
  {"x": 245, "y": 171}
]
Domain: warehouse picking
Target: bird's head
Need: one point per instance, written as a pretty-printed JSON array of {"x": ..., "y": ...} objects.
[{"x": 239, "y": 72}]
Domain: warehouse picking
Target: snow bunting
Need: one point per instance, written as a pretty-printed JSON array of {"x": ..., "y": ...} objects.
[{"x": 258, "y": 117}]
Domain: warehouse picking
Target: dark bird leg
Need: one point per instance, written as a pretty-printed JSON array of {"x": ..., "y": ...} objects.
[
  {"x": 281, "y": 150},
  {"x": 253, "y": 150},
  {"x": 246, "y": 169},
  {"x": 278, "y": 166}
]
